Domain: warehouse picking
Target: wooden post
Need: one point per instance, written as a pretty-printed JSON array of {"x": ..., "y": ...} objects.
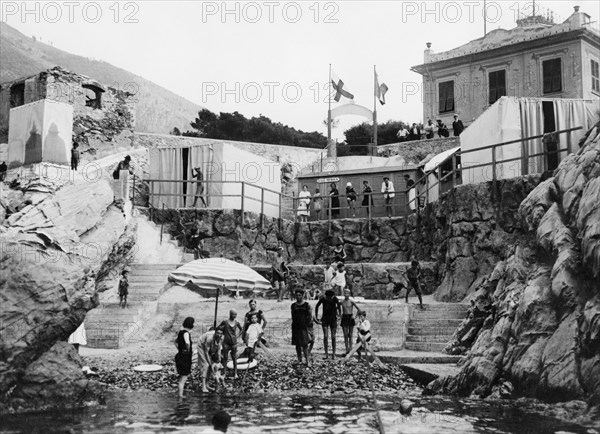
[
  {"x": 162, "y": 224},
  {"x": 568, "y": 143},
  {"x": 279, "y": 224},
  {"x": 426, "y": 191},
  {"x": 369, "y": 212},
  {"x": 133, "y": 193},
  {"x": 494, "y": 164},
  {"x": 454, "y": 170},
  {"x": 216, "y": 308},
  {"x": 262, "y": 206},
  {"x": 242, "y": 204},
  {"x": 329, "y": 214},
  {"x": 150, "y": 201}
]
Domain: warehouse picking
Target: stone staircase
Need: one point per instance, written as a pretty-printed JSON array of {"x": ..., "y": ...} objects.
[
  {"x": 431, "y": 329},
  {"x": 109, "y": 326}
]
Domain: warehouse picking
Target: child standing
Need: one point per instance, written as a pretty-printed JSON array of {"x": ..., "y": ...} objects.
[
  {"x": 123, "y": 289},
  {"x": 364, "y": 332},
  {"x": 317, "y": 203},
  {"x": 253, "y": 336}
]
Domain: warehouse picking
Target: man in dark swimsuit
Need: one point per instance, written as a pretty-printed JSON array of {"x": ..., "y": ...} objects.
[
  {"x": 413, "y": 274},
  {"x": 332, "y": 309},
  {"x": 230, "y": 329}
]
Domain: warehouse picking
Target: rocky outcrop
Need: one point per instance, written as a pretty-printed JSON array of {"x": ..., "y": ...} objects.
[
  {"x": 544, "y": 335},
  {"x": 61, "y": 244}
]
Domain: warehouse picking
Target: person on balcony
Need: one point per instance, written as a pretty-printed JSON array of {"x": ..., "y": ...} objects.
[
  {"x": 304, "y": 203},
  {"x": 351, "y": 198},
  {"x": 387, "y": 188},
  {"x": 367, "y": 201},
  {"x": 429, "y": 129},
  {"x": 334, "y": 203}
]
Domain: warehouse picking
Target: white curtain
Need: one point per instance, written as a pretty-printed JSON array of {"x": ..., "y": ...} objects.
[
  {"x": 532, "y": 124},
  {"x": 170, "y": 167},
  {"x": 200, "y": 156},
  {"x": 570, "y": 114}
]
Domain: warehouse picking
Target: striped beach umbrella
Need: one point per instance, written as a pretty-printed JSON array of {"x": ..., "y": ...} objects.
[{"x": 218, "y": 273}]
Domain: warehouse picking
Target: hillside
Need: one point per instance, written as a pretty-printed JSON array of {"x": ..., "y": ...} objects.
[{"x": 158, "y": 110}]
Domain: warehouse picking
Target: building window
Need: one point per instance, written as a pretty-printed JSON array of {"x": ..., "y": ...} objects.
[
  {"x": 552, "y": 73},
  {"x": 446, "y": 93},
  {"x": 93, "y": 96},
  {"x": 497, "y": 81},
  {"x": 17, "y": 95},
  {"x": 595, "y": 76}
]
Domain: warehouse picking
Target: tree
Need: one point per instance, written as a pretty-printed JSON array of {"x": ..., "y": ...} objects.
[
  {"x": 235, "y": 126},
  {"x": 175, "y": 132}
]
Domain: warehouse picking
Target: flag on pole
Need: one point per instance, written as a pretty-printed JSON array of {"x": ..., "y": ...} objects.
[
  {"x": 338, "y": 86},
  {"x": 380, "y": 90}
]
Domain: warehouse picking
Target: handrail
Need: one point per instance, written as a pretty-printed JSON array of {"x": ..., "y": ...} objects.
[{"x": 458, "y": 170}]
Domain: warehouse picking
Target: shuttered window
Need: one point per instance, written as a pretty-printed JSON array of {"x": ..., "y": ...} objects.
[
  {"x": 552, "y": 72},
  {"x": 497, "y": 81},
  {"x": 446, "y": 96},
  {"x": 595, "y": 76}
]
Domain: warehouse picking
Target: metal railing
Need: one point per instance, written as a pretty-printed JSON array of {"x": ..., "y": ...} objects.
[{"x": 457, "y": 171}]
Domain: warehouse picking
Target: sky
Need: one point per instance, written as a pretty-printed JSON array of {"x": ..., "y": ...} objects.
[{"x": 272, "y": 57}]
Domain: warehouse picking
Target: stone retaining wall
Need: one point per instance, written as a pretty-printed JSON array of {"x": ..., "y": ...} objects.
[{"x": 463, "y": 235}]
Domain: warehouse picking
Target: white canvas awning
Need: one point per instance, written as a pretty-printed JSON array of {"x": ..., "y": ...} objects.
[{"x": 439, "y": 159}]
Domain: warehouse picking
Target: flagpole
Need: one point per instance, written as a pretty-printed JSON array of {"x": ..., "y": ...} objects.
[
  {"x": 374, "y": 108},
  {"x": 329, "y": 109}
]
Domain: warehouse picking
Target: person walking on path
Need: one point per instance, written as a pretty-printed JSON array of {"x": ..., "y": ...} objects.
[
  {"x": 230, "y": 329},
  {"x": 183, "y": 358},
  {"x": 367, "y": 201},
  {"x": 332, "y": 309},
  {"x": 75, "y": 156},
  {"x": 317, "y": 203},
  {"x": 279, "y": 271},
  {"x": 348, "y": 322},
  {"x": 457, "y": 126},
  {"x": 209, "y": 351},
  {"x": 413, "y": 275},
  {"x": 199, "y": 186},
  {"x": 387, "y": 188},
  {"x": 351, "y": 199},
  {"x": 302, "y": 319},
  {"x": 123, "y": 289}
]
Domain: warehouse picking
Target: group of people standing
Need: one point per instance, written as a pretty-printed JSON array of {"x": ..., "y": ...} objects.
[
  {"x": 215, "y": 346},
  {"x": 414, "y": 132},
  {"x": 305, "y": 199}
]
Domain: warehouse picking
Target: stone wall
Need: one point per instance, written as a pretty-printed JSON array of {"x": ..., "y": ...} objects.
[
  {"x": 462, "y": 236},
  {"x": 415, "y": 151},
  {"x": 293, "y": 155}
]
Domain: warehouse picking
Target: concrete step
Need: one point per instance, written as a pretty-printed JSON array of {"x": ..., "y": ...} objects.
[
  {"x": 141, "y": 267},
  {"x": 430, "y": 331},
  {"x": 440, "y": 323},
  {"x": 425, "y": 346},
  {"x": 443, "y": 306},
  {"x": 441, "y": 315},
  {"x": 428, "y": 338}
]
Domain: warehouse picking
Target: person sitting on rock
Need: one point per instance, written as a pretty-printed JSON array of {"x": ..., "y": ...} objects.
[{"x": 413, "y": 275}]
